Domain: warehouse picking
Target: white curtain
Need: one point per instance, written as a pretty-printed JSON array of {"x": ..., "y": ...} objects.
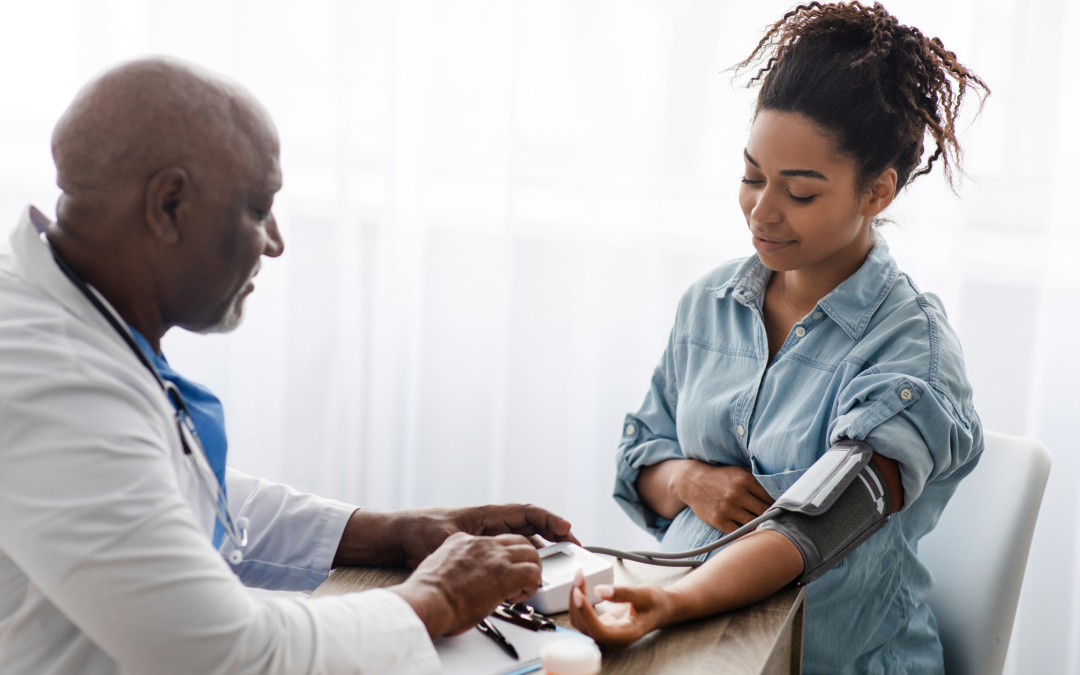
[{"x": 491, "y": 209}]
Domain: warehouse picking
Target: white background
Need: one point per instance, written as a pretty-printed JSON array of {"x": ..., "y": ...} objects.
[{"x": 491, "y": 209}]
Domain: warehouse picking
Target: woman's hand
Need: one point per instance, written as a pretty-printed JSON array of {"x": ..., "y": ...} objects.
[
  {"x": 725, "y": 497},
  {"x": 748, "y": 571},
  {"x": 641, "y": 609}
]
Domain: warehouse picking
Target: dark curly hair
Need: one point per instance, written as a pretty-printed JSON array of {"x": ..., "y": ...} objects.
[{"x": 875, "y": 84}]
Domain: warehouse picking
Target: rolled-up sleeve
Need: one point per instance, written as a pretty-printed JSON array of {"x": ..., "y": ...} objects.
[
  {"x": 907, "y": 419},
  {"x": 649, "y": 437}
]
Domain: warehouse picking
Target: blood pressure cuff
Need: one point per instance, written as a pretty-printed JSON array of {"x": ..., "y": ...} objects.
[{"x": 844, "y": 504}]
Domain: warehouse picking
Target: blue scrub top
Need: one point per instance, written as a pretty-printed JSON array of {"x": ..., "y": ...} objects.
[
  {"x": 876, "y": 361},
  {"x": 207, "y": 414}
]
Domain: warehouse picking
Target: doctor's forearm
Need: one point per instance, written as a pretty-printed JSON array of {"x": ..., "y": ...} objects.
[{"x": 370, "y": 539}]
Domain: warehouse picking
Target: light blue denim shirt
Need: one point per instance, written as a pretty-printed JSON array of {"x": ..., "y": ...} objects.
[{"x": 875, "y": 361}]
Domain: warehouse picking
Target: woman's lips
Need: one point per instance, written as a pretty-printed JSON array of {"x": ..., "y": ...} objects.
[{"x": 767, "y": 244}]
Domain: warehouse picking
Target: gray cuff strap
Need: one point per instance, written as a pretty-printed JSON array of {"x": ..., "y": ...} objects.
[{"x": 824, "y": 540}]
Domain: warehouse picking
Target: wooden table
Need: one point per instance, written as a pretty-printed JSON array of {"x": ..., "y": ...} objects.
[{"x": 763, "y": 638}]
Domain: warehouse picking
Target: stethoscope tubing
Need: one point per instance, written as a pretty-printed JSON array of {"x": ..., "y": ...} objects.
[{"x": 237, "y": 531}]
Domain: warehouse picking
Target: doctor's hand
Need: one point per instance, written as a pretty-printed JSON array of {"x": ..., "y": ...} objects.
[
  {"x": 408, "y": 536},
  {"x": 725, "y": 497},
  {"x": 426, "y": 529},
  {"x": 463, "y": 581}
]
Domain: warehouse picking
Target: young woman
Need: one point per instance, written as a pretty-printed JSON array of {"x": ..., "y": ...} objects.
[{"x": 817, "y": 338}]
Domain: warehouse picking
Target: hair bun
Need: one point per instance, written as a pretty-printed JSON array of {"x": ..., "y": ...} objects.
[{"x": 880, "y": 86}]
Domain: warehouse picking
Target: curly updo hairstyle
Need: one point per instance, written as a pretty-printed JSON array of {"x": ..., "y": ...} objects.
[{"x": 877, "y": 86}]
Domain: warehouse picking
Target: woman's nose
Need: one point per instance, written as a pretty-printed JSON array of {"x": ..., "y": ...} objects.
[{"x": 766, "y": 207}]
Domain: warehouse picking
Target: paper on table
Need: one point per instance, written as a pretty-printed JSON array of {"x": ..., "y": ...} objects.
[{"x": 473, "y": 653}]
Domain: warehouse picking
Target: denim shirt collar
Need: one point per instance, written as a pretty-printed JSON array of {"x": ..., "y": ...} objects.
[{"x": 851, "y": 304}]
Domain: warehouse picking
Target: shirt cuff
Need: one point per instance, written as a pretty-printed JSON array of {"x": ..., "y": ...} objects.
[
  {"x": 334, "y": 519},
  {"x": 627, "y": 470},
  {"x": 384, "y": 635}
]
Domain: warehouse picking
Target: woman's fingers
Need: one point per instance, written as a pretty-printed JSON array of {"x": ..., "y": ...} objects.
[
  {"x": 743, "y": 517},
  {"x": 759, "y": 492},
  {"x": 640, "y": 597},
  {"x": 755, "y": 505},
  {"x": 620, "y": 626},
  {"x": 582, "y": 615}
]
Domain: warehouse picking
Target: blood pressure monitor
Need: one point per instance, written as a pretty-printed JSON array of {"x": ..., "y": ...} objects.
[{"x": 558, "y": 565}]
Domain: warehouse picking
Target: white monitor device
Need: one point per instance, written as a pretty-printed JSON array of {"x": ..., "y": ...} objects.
[{"x": 558, "y": 564}]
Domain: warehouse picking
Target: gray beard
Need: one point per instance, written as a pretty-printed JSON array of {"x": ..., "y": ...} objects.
[{"x": 231, "y": 320}]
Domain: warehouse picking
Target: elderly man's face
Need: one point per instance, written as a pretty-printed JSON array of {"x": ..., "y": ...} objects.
[{"x": 235, "y": 228}]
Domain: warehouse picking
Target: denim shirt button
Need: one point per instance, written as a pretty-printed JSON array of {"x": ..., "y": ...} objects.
[
  {"x": 817, "y": 316},
  {"x": 905, "y": 394},
  {"x": 740, "y": 429},
  {"x": 800, "y": 332},
  {"x": 630, "y": 429}
]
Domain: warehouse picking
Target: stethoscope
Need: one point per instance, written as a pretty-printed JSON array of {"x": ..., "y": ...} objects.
[{"x": 237, "y": 530}]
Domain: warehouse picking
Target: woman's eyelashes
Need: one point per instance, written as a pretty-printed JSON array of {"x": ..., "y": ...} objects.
[{"x": 794, "y": 198}]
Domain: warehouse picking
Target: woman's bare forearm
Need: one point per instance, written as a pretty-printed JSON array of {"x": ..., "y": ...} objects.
[
  {"x": 656, "y": 485},
  {"x": 745, "y": 572}
]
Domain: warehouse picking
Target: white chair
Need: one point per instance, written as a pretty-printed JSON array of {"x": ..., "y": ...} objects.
[{"x": 979, "y": 550}]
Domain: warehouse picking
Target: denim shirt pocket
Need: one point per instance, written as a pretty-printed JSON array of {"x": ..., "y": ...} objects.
[{"x": 776, "y": 484}]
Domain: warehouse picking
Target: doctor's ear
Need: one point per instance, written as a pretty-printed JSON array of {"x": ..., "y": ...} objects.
[{"x": 168, "y": 199}]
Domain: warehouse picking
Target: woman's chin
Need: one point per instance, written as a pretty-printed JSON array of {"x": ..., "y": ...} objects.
[{"x": 779, "y": 262}]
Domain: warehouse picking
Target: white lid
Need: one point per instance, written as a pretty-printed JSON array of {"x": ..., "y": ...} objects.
[{"x": 570, "y": 657}]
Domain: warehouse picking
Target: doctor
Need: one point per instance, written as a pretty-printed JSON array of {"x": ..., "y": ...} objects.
[{"x": 111, "y": 550}]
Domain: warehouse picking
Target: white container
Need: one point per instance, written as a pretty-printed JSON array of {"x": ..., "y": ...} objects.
[{"x": 570, "y": 657}]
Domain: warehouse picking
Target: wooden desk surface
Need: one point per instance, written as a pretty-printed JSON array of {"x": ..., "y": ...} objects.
[{"x": 762, "y": 638}]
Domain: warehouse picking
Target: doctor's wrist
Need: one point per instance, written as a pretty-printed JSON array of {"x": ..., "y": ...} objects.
[
  {"x": 430, "y": 605},
  {"x": 371, "y": 538}
]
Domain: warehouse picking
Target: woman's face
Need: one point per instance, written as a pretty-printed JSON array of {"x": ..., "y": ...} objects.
[{"x": 799, "y": 196}]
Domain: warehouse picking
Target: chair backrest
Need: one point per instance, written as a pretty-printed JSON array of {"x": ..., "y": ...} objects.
[{"x": 979, "y": 550}]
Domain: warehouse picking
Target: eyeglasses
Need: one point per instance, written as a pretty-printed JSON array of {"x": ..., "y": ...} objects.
[{"x": 237, "y": 530}]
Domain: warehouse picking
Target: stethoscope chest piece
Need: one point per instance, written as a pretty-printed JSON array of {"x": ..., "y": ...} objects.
[{"x": 236, "y": 556}]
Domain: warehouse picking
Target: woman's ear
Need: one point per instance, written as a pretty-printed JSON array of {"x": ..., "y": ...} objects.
[
  {"x": 880, "y": 193},
  {"x": 168, "y": 198}
]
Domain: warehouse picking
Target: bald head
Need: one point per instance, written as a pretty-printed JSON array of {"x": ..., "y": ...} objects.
[
  {"x": 168, "y": 175},
  {"x": 148, "y": 114}
]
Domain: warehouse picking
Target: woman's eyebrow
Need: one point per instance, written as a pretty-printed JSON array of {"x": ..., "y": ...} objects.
[
  {"x": 803, "y": 173},
  {"x": 796, "y": 173}
]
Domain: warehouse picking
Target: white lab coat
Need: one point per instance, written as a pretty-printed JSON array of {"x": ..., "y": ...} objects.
[{"x": 106, "y": 563}]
